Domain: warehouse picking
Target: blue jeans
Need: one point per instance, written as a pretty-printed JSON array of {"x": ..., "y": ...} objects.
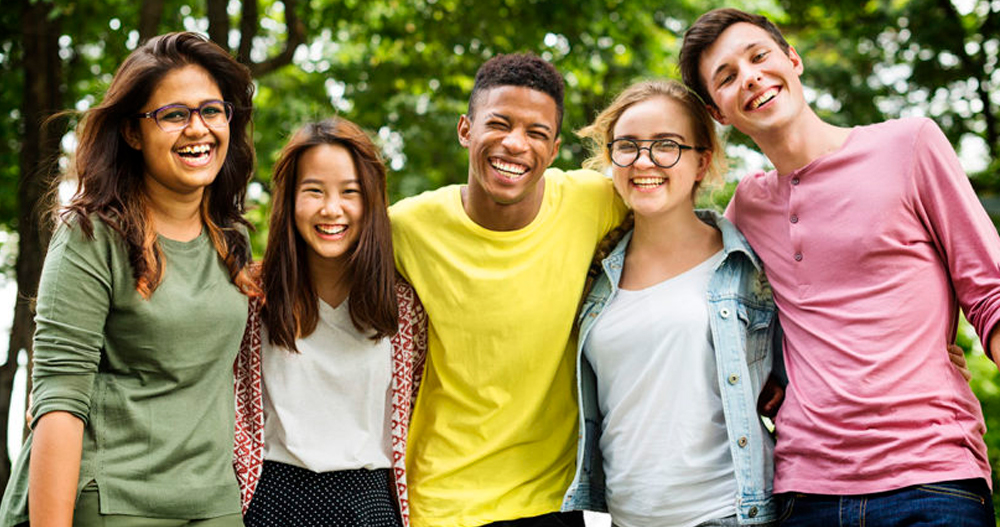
[{"x": 964, "y": 503}]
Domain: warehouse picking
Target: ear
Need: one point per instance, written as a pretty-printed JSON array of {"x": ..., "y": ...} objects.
[
  {"x": 716, "y": 114},
  {"x": 130, "y": 132},
  {"x": 555, "y": 150},
  {"x": 796, "y": 60},
  {"x": 704, "y": 161},
  {"x": 464, "y": 131}
]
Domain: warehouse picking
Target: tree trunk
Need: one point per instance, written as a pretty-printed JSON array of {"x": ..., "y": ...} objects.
[
  {"x": 149, "y": 19},
  {"x": 249, "y": 22},
  {"x": 218, "y": 22},
  {"x": 39, "y": 151},
  {"x": 296, "y": 36}
]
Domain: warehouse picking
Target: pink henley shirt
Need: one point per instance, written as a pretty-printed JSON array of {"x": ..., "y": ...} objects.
[{"x": 871, "y": 250}]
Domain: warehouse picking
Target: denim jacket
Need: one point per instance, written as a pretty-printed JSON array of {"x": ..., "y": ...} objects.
[{"x": 743, "y": 322}]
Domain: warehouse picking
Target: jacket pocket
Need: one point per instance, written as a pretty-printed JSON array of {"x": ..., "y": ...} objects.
[{"x": 757, "y": 330}]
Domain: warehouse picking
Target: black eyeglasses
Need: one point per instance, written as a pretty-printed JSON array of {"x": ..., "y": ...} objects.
[
  {"x": 174, "y": 117},
  {"x": 664, "y": 153}
]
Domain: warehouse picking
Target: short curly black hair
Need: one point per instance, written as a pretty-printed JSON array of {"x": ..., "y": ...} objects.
[{"x": 519, "y": 69}]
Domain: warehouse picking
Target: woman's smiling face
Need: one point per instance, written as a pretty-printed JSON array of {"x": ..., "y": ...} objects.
[{"x": 183, "y": 162}]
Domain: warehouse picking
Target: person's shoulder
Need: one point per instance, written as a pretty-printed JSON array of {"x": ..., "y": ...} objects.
[
  {"x": 428, "y": 202},
  {"x": 76, "y": 231},
  {"x": 584, "y": 176},
  {"x": 753, "y": 182},
  {"x": 581, "y": 181},
  {"x": 904, "y": 127}
]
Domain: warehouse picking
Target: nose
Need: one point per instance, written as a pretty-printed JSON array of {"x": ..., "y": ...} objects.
[
  {"x": 196, "y": 126},
  {"x": 751, "y": 78},
  {"x": 645, "y": 158},
  {"x": 515, "y": 141},
  {"x": 332, "y": 206}
]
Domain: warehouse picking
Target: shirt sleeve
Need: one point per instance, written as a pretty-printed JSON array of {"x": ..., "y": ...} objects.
[
  {"x": 964, "y": 235},
  {"x": 74, "y": 298}
]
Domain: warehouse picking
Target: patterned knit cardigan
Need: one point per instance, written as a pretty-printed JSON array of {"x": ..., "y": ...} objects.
[{"x": 409, "y": 350}]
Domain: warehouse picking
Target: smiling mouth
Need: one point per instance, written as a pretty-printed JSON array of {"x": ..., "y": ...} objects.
[
  {"x": 511, "y": 171},
  {"x": 762, "y": 99},
  {"x": 195, "y": 154},
  {"x": 331, "y": 230},
  {"x": 647, "y": 182}
]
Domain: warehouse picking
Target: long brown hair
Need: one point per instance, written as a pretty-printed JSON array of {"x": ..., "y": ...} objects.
[
  {"x": 110, "y": 172},
  {"x": 292, "y": 307}
]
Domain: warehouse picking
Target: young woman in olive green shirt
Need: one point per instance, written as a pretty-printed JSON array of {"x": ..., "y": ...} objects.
[{"x": 143, "y": 302}]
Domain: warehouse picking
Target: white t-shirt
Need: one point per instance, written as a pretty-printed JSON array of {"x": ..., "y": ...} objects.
[
  {"x": 326, "y": 407},
  {"x": 664, "y": 441}
]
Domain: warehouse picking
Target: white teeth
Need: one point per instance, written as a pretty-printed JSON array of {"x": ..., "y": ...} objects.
[
  {"x": 331, "y": 229},
  {"x": 648, "y": 181},
  {"x": 194, "y": 150},
  {"x": 763, "y": 98},
  {"x": 512, "y": 169}
]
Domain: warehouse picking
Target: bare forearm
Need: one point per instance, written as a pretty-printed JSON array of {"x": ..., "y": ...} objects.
[
  {"x": 993, "y": 343},
  {"x": 57, "y": 446}
]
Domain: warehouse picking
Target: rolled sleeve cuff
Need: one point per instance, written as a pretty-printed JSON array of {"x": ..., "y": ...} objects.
[{"x": 64, "y": 393}]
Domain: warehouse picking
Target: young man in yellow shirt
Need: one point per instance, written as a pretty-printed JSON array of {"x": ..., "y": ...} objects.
[{"x": 500, "y": 264}]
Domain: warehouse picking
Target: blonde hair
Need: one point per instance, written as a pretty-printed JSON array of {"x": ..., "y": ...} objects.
[{"x": 599, "y": 133}]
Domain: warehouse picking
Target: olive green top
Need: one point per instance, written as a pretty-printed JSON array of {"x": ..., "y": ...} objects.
[{"x": 151, "y": 379}]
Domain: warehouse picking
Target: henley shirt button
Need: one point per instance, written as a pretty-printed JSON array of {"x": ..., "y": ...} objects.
[
  {"x": 724, "y": 313},
  {"x": 795, "y": 181},
  {"x": 798, "y": 257},
  {"x": 742, "y": 442},
  {"x": 752, "y": 512},
  {"x": 794, "y": 219},
  {"x": 733, "y": 379}
]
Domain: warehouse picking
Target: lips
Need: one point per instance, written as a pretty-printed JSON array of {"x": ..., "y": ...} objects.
[
  {"x": 647, "y": 182},
  {"x": 331, "y": 229},
  {"x": 760, "y": 100},
  {"x": 195, "y": 154},
  {"x": 508, "y": 169}
]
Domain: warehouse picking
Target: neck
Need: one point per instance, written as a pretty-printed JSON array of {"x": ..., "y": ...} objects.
[
  {"x": 176, "y": 219},
  {"x": 666, "y": 245},
  {"x": 794, "y": 146},
  {"x": 330, "y": 277},
  {"x": 669, "y": 234},
  {"x": 489, "y": 214}
]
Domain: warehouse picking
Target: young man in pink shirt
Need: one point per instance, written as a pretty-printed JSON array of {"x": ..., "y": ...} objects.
[{"x": 873, "y": 239}]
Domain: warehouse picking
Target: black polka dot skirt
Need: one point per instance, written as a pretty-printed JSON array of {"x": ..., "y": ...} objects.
[{"x": 290, "y": 496}]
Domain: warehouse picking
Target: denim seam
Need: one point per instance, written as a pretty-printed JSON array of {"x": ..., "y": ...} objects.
[
  {"x": 952, "y": 492},
  {"x": 787, "y": 508}
]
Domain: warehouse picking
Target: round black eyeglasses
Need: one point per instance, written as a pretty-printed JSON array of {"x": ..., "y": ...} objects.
[
  {"x": 174, "y": 117},
  {"x": 664, "y": 153}
]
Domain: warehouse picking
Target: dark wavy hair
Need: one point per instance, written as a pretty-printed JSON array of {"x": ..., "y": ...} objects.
[
  {"x": 111, "y": 184},
  {"x": 519, "y": 69},
  {"x": 705, "y": 31},
  {"x": 291, "y": 309}
]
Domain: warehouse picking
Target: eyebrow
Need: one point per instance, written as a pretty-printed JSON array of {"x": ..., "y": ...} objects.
[
  {"x": 532, "y": 125},
  {"x": 662, "y": 135},
  {"x": 203, "y": 101},
  {"x": 317, "y": 181},
  {"x": 725, "y": 65}
]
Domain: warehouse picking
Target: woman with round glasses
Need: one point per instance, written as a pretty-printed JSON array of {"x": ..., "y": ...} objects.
[
  {"x": 143, "y": 303},
  {"x": 675, "y": 332}
]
